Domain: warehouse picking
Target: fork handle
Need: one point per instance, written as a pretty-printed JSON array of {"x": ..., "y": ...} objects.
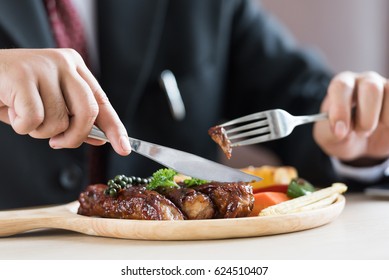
[{"x": 310, "y": 118}]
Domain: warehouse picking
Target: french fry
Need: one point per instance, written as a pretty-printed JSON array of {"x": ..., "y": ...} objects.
[
  {"x": 293, "y": 205},
  {"x": 318, "y": 204}
]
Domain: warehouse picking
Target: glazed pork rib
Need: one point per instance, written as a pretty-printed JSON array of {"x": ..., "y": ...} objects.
[
  {"x": 231, "y": 200},
  {"x": 132, "y": 203},
  {"x": 193, "y": 204}
]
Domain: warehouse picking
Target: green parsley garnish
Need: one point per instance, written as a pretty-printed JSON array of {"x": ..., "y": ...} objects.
[
  {"x": 194, "y": 182},
  {"x": 163, "y": 178}
]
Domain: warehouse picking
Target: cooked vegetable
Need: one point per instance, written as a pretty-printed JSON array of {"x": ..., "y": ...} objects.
[
  {"x": 319, "y": 204},
  {"x": 296, "y": 203},
  {"x": 266, "y": 199},
  {"x": 271, "y": 175},
  {"x": 162, "y": 178},
  {"x": 272, "y": 188},
  {"x": 299, "y": 187}
]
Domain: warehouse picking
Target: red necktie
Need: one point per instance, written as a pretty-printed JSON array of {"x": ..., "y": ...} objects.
[
  {"x": 68, "y": 33},
  {"x": 66, "y": 26}
]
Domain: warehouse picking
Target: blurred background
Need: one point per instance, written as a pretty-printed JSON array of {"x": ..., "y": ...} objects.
[{"x": 350, "y": 34}]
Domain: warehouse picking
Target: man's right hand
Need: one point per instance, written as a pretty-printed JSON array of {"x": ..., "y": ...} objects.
[{"x": 51, "y": 94}]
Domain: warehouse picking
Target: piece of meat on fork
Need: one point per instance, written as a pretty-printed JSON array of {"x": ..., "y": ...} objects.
[{"x": 131, "y": 203}]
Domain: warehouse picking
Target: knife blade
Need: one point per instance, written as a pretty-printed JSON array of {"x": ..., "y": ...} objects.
[{"x": 183, "y": 162}]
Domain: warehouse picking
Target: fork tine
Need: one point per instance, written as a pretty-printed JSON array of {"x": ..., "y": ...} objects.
[
  {"x": 255, "y": 140},
  {"x": 250, "y": 133},
  {"x": 248, "y": 126},
  {"x": 255, "y": 116},
  {"x": 264, "y": 126}
]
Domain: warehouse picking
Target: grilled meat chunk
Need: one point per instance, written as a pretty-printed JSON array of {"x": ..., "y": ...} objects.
[
  {"x": 193, "y": 204},
  {"x": 231, "y": 200},
  {"x": 132, "y": 203},
  {"x": 219, "y": 135}
]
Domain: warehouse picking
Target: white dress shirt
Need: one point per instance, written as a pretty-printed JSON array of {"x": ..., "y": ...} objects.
[
  {"x": 88, "y": 14},
  {"x": 363, "y": 174}
]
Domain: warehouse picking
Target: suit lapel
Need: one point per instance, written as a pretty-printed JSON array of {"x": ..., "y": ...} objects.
[
  {"x": 129, "y": 33},
  {"x": 26, "y": 23}
]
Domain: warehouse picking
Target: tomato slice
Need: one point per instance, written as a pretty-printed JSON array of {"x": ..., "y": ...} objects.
[{"x": 266, "y": 199}]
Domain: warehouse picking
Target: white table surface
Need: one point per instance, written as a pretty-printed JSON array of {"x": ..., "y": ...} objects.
[{"x": 360, "y": 232}]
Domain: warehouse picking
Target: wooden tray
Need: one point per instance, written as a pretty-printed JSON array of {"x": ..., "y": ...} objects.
[{"x": 66, "y": 217}]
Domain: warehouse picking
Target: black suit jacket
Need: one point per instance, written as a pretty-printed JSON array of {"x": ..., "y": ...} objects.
[{"x": 230, "y": 58}]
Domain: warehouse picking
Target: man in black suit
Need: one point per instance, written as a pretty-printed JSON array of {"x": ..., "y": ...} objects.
[{"x": 230, "y": 58}]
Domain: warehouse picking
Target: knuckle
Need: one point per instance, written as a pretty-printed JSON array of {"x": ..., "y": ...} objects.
[
  {"x": 88, "y": 116},
  {"x": 72, "y": 54},
  {"x": 51, "y": 126},
  {"x": 59, "y": 55},
  {"x": 36, "y": 118},
  {"x": 101, "y": 97},
  {"x": 371, "y": 74},
  {"x": 341, "y": 84},
  {"x": 93, "y": 111},
  {"x": 28, "y": 125},
  {"x": 20, "y": 129},
  {"x": 65, "y": 57}
]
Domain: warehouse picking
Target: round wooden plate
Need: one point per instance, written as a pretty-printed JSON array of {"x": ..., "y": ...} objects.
[{"x": 66, "y": 217}]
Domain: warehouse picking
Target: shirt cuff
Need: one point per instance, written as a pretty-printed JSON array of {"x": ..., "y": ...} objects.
[{"x": 363, "y": 174}]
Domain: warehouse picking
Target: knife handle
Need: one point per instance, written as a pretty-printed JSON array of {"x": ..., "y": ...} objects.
[{"x": 96, "y": 133}]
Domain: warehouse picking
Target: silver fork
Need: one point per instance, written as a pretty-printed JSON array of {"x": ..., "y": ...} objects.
[{"x": 265, "y": 126}]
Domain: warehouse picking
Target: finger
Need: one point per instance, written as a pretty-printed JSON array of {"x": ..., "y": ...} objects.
[
  {"x": 56, "y": 118},
  {"x": 4, "y": 113},
  {"x": 82, "y": 109},
  {"x": 340, "y": 103},
  {"x": 95, "y": 142},
  {"x": 369, "y": 99},
  {"x": 26, "y": 110},
  {"x": 107, "y": 120},
  {"x": 384, "y": 117}
]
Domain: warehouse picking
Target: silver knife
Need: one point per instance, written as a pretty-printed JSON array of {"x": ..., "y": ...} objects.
[{"x": 183, "y": 162}]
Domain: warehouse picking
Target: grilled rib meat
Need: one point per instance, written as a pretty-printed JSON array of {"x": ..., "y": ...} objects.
[
  {"x": 232, "y": 200},
  {"x": 211, "y": 200},
  {"x": 132, "y": 203},
  {"x": 193, "y": 204}
]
